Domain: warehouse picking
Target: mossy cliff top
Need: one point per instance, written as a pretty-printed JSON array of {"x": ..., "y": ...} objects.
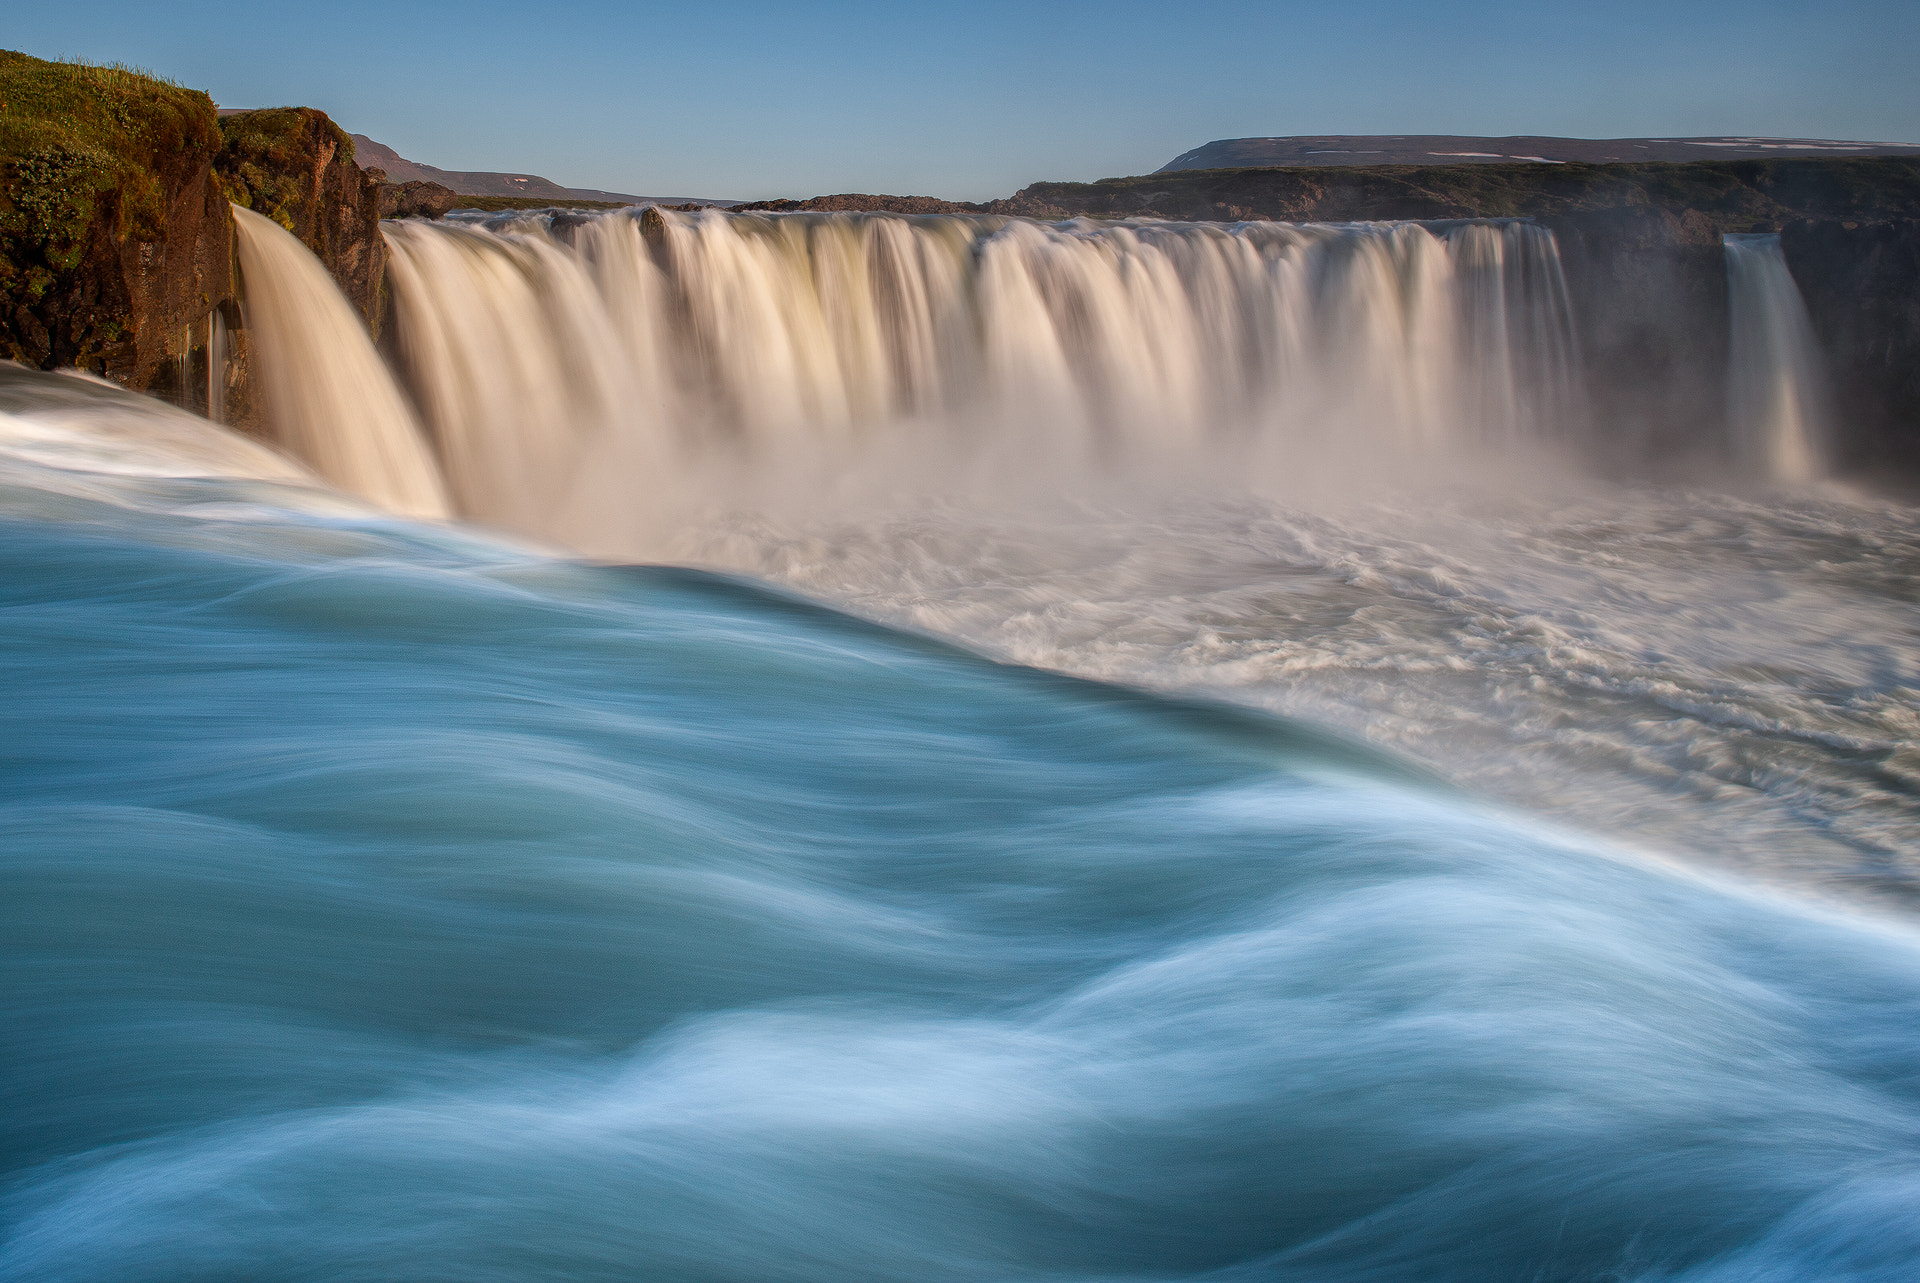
[
  {"x": 266, "y": 154},
  {"x": 84, "y": 150},
  {"x": 116, "y": 238},
  {"x": 294, "y": 165}
]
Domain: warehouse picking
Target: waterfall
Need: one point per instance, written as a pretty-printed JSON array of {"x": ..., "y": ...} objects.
[
  {"x": 556, "y": 355},
  {"x": 330, "y": 397},
  {"x": 1776, "y": 393}
]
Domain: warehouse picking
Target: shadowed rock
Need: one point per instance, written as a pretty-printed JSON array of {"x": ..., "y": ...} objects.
[{"x": 415, "y": 199}]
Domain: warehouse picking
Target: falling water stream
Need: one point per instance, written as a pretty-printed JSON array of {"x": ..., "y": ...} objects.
[
  {"x": 1777, "y": 405},
  {"x": 331, "y": 398},
  {"x": 580, "y": 377}
]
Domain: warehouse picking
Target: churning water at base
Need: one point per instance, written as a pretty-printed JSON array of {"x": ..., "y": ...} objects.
[
  {"x": 1732, "y": 677},
  {"x": 386, "y": 903}
]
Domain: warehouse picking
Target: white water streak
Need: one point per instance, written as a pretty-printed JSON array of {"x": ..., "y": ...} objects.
[
  {"x": 330, "y": 398},
  {"x": 1776, "y": 395},
  {"x": 552, "y": 357}
]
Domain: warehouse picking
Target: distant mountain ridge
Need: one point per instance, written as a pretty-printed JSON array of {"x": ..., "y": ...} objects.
[
  {"x": 480, "y": 182},
  {"x": 1466, "y": 149}
]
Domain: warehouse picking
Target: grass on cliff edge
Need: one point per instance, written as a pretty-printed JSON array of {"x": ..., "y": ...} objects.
[
  {"x": 75, "y": 137},
  {"x": 266, "y": 155}
]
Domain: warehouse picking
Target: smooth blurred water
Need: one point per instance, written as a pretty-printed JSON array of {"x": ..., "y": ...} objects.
[
  {"x": 586, "y": 380},
  {"x": 384, "y": 902}
]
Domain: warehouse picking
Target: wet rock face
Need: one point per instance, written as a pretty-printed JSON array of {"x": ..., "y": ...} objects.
[
  {"x": 1861, "y": 283},
  {"x": 1648, "y": 290},
  {"x": 175, "y": 286}
]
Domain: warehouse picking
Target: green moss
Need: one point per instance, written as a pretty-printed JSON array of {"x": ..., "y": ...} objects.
[
  {"x": 87, "y": 154},
  {"x": 71, "y": 133},
  {"x": 266, "y": 155}
]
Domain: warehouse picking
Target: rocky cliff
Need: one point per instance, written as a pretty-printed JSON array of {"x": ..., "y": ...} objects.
[
  {"x": 1861, "y": 282},
  {"x": 1322, "y": 150},
  {"x": 297, "y": 167},
  {"x": 116, "y": 238},
  {"x": 115, "y": 241},
  {"x": 1732, "y": 196}
]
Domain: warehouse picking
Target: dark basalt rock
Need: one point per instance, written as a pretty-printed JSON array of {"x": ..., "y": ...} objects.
[
  {"x": 1861, "y": 283},
  {"x": 415, "y": 199},
  {"x": 1732, "y": 195},
  {"x": 1648, "y": 290}
]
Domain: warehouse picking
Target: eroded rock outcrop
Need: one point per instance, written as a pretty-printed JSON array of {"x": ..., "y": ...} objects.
[
  {"x": 115, "y": 242},
  {"x": 296, "y": 166},
  {"x": 1732, "y": 195},
  {"x": 416, "y": 199},
  {"x": 116, "y": 235}
]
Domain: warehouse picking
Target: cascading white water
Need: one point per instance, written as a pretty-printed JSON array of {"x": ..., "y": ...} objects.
[
  {"x": 332, "y": 401},
  {"x": 1776, "y": 394},
  {"x": 548, "y": 356}
]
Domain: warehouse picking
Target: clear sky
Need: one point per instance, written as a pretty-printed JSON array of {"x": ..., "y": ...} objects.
[{"x": 968, "y": 101}]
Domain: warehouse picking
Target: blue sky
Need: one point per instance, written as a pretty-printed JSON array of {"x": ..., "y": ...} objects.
[{"x": 968, "y": 101}]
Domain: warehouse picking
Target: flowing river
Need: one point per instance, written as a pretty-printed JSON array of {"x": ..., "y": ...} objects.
[{"x": 953, "y": 749}]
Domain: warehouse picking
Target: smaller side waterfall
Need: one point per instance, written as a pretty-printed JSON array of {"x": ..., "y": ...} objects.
[
  {"x": 1776, "y": 395},
  {"x": 332, "y": 401}
]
